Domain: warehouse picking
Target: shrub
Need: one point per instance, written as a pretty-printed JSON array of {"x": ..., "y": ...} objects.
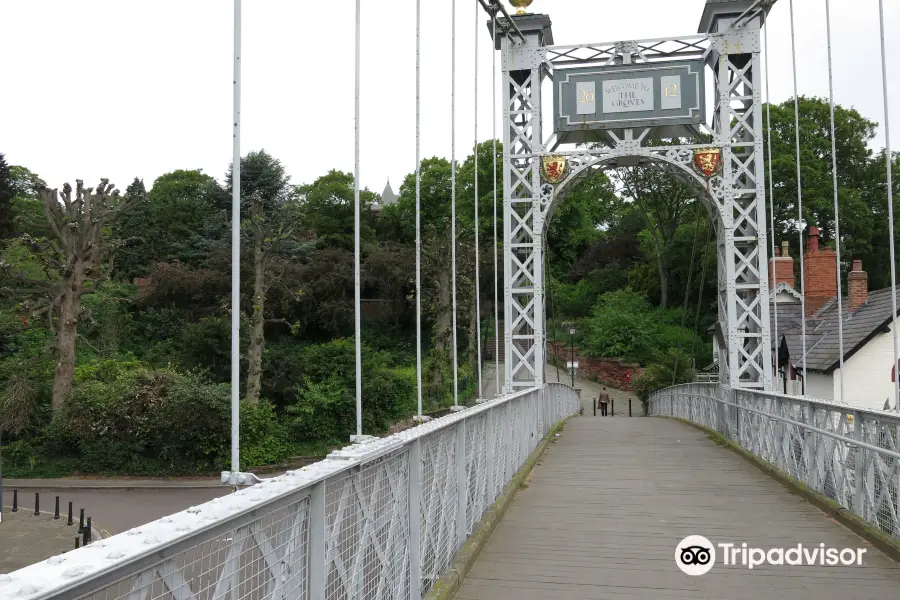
[
  {"x": 153, "y": 422},
  {"x": 325, "y": 406},
  {"x": 659, "y": 375}
]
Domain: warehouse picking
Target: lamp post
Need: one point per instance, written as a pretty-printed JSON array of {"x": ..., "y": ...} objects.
[{"x": 572, "y": 339}]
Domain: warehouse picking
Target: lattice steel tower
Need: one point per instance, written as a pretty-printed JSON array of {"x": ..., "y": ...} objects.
[{"x": 611, "y": 103}]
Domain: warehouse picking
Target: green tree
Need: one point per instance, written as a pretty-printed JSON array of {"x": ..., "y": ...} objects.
[
  {"x": 181, "y": 220},
  {"x": 663, "y": 203},
  {"x": 7, "y": 216},
  {"x": 272, "y": 220},
  {"x": 854, "y": 160},
  {"x": 576, "y": 223},
  {"x": 327, "y": 210}
]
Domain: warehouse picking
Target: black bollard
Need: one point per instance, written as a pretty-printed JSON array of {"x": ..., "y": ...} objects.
[
  {"x": 87, "y": 531},
  {"x": 56, "y": 514},
  {"x": 612, "y": 407},
  {"x": 15, "y": 501},
  {"x": 77, "y": 542},
  {"x": 81, "y": 522},
  {"x": 594, "y": 401},
  {"x": 69, "y": 522},
  {"x": 85, "y": 538},
  {"x": 629, "y": 406},
  {"x": 37, "y": 504}
]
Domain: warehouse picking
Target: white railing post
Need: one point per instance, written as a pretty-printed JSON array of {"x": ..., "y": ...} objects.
[
  {"x": 812, "y": 461},
  {"x": 415, "y": 520},
  {"x": 779, "y": 436},
  {"x": 462, "y": 488},
  {"x": 317, "y": 541},
  {"x": 489, "y": 454},
  {"x": 507, "y": 444},
  {"x": 859, "y": 468}
]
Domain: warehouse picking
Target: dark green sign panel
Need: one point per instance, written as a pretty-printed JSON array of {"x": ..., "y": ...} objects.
[{"x": 637, "y": 95}]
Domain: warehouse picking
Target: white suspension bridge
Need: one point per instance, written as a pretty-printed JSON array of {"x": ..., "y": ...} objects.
[{"x": 418, "y": 513}]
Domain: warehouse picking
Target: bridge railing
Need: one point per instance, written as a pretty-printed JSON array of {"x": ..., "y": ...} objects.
[
  {"x": 850, "y": 455},
  {"x": 380, "y": 520}
]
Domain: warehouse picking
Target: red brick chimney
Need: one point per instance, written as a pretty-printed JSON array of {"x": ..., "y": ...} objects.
[
  {"x": 820, "y": 271},
  {"x": 781, "y": 267},
  {"x": 857, "y": 286}
]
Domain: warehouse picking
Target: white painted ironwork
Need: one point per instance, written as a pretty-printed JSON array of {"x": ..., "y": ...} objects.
[
  {"x": 453, "y": 195},
  {"x": 236, "y": 250},
  {"x": 477, "y": 229},
  {"x": 418, "y": 213},
  {"x": 776, "y": 345},
  {"x": 889, "y": 157},
  {"x": 374, "y": 521},
  {"x": 735, "y": 197},
  {"x": 837, "y": 212},
  {"x": 800, "y": 226},
  {"x": 494, "y": 173},
  {"x": 851, "y": 456},
  {"x": 356, "y": 266}
]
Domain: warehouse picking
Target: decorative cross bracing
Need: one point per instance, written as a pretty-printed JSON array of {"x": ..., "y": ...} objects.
[{"x": 735, "y": 196}]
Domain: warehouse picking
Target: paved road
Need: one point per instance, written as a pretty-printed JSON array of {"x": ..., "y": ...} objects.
[
  {"x": 609, "y": 502},
  {"x": 26, "y": 538},
  {"x": 116, "y": 510}
]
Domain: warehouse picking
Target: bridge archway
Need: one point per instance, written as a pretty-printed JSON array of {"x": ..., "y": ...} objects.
[{"x": 735, "y": 197}]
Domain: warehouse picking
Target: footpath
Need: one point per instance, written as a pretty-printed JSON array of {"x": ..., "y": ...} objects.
[{"x": 26, "y": 538}]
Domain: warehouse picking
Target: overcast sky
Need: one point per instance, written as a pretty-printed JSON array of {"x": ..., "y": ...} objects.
[{"x": 118, "y": 89}]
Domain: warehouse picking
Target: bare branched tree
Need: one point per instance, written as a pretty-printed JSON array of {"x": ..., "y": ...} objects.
[{"x": 79, "y": 258}]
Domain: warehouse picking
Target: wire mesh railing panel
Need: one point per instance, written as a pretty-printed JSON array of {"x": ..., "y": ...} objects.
[
  {"x": 882, "y": 473},
  {"x": 476, "y": 471},
  {"x": 501, "y": 454},
  {"x": 848, "y": 455},
  {"x": 438, "y": 505},
  {"x": 366, "y": 531},
  {"x": 366, "y": 523},
  {"x": 515, "y": 447},
  {"x": 266, "y": 557}
]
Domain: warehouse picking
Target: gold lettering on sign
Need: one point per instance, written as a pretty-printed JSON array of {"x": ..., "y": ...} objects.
[
  {"x": 671, "y": 91},
  {"x": 586, "y": 96}
]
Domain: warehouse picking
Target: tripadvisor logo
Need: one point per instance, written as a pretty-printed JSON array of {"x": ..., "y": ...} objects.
[{"x": 696, "y": 555}]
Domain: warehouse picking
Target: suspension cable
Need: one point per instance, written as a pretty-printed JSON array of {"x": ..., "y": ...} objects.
[
  {"x": 356, "y": 287},
  {"x": 700, "y": 290},
  {"x": 236, "y": 252},
  {"x": 418, "y": 216},
  {"x": 772, "y": 284},
  {"x": 799, "y": 195},
  {"x": 453, "y": 191},
  {"x": 477, "y": 230},
  {"x": 890, "y": 198},
  {"x": 496, "y": 270},
  {"x": 549, "y": 290},
  {"x": 687, "y": 291},
  {"x": 837, "y": 220}
]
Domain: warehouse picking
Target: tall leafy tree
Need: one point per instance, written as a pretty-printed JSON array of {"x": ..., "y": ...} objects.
[
  {"x": 7, "y": 220},
  {"x": 271, "y": 209},
  {"x": 663, "y": 203},
  {"x": 854, "y": 159},
  {"x": 182, "y": 220},
  {"x": 576, "y": 223}
]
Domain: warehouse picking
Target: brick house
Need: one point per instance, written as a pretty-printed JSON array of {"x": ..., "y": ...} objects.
[{"x": 867, "y": 320}]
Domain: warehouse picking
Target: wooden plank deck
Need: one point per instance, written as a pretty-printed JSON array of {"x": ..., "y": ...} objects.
[{"x": 611, "y": 499}]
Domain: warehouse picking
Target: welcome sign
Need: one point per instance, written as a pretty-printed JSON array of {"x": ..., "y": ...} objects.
[{"x": 620, "y": 96}]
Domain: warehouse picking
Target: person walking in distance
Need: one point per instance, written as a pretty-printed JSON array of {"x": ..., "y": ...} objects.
[{"x": 603, "y": 401}]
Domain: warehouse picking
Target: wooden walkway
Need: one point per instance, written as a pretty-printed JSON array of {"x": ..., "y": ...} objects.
[{"x": 611, "y": 499}]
